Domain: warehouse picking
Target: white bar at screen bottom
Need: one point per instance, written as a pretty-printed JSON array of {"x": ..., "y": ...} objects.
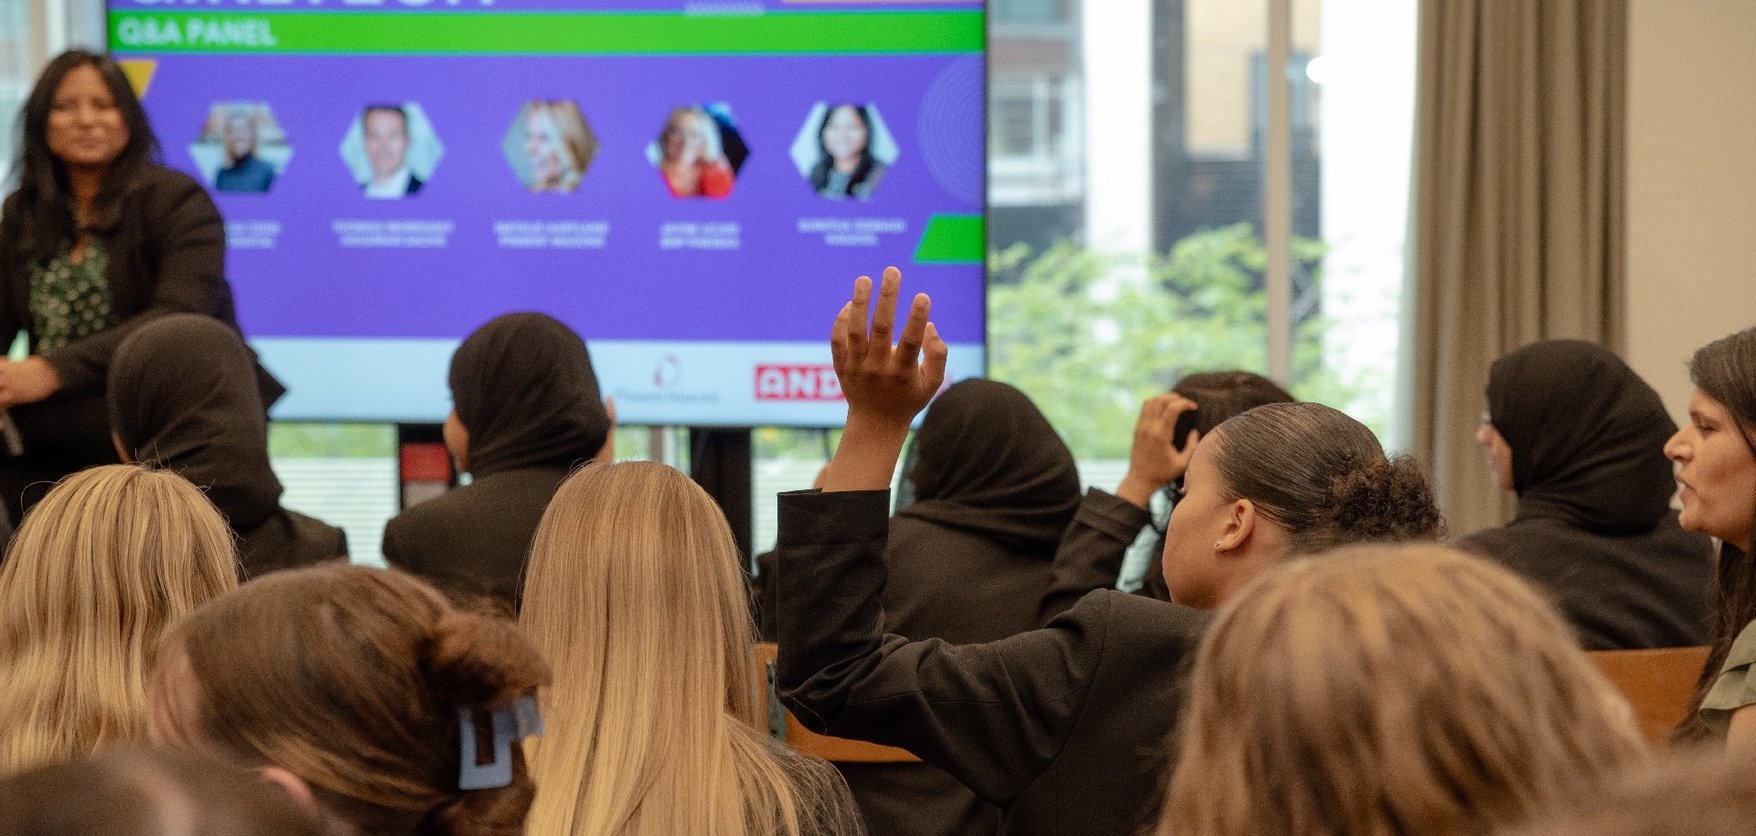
[{"x": 653, "y": 382}]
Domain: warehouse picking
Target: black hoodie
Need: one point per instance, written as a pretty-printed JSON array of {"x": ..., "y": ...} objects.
[
  {"x": 1594, "y": 523},
  {"x": 523, "y": 387},
  {"x": 183, "y": 394}
]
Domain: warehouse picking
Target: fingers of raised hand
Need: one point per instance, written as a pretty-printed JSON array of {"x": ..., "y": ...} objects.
[
  {"x": 838, "y": 338},
  {"x": 885, "y": 316},
  {"x": 933, "y": 370},
  {"x": 858, "y": 310},
  {"x": 914, "y": 330}
]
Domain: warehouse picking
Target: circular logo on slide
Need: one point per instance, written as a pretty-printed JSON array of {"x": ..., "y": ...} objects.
[{"x": 667, "y": 373}]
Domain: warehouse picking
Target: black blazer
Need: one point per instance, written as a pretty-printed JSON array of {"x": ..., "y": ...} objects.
[
  {"x": 1619, "y": 591},
  {"x": 166, "y": 246},
  {"x": 288, "y": 540},
  {"x": 1067, "y": 728},
  {"x": 474, "y": 540}
]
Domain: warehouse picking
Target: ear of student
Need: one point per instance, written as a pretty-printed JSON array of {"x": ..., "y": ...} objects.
[{"x": 294, "y": 786}]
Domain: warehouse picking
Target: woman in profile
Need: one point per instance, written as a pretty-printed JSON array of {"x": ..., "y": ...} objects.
[
  {"x": 183, "y": 397},
  {"x": 97, "y": 240},
  {"x": 101, "y": 567},
  {"x": 845, "y": 166},
  {"x": 1382, "y": 690},
  {"x": 1579, "y": 437},
  {"x": 364, "y": 694},
  {"x": 636, "y": 596},
  {"x": 1716, "y": 458},
  {"x": 691, "y": 157},
  {"x": 557, "y": 144},
  {"x": 525, "y": 412}
]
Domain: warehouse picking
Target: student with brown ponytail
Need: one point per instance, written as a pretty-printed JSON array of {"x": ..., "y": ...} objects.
[
  {"x": 365, "y": 694},
  {"x": 1063, "y": 726}
]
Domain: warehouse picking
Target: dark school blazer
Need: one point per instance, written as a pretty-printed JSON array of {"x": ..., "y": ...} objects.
[{"x": 1067, "y": 728}]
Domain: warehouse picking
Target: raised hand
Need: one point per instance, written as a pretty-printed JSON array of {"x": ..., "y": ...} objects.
[
  {"x": 1155, "y": 461},
  {"x": 885, "y": 385}
]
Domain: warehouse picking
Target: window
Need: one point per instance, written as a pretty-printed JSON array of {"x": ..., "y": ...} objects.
[{"x": 1104, "y": 292}]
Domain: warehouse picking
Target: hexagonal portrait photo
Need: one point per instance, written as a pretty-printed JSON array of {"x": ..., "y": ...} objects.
[
  {"x": 549, "y": 146},
  {"x": 241, "y": 147},
  {"x": 391, "y": 150},
  {"x": 699, "y": 151},
  {"x": 843, "y": 150}
]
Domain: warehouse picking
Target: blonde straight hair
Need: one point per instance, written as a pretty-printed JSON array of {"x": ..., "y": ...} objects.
[
  {"x": 635, "y": 594},
  {"x": 1382, "y": 690},
  {"x": 110, "y": 558}
]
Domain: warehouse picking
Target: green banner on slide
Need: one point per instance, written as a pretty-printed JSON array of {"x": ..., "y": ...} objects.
[
  {"x": 573, "y": 33},
  {"x": 953, "y": 239}
]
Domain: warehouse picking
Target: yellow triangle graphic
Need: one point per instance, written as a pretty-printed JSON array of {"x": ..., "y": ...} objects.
[{"x": 139, "y": 72}]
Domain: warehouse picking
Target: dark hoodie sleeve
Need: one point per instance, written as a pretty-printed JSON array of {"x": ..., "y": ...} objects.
[
  {"x": 1090, "y": 554},
  {"x": 993, "y": 715}
]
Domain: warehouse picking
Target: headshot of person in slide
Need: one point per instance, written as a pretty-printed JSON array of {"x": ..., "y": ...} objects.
[
  {"x": 550, "y": 146},
  {"x": 844, "y": 150},
  {"x": 699, "y": 151},
  {"x": 241, "y": 148},
  {"x": 386, "y": 129},
  {"x": 391, "y": 150}
]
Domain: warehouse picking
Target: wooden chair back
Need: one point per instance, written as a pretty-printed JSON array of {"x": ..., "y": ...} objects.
[
  {"x": 1659, "y": 683},
  {"x": 787, "y": 728}
]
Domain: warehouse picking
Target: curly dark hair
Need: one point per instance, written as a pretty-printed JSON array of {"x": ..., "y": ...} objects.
[{"x": 1323, "y": 477}]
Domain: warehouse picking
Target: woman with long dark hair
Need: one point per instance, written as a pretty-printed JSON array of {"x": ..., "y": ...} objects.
[
  {"x": 97, "y": 239},
  {"x": 845, "y": 165},
  {"x": 1716, "y": 452}
]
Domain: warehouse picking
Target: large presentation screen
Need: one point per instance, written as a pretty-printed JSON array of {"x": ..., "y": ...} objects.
[{"x": 692, "y": 186}]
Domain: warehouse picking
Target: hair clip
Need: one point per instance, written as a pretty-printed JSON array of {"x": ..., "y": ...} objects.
[{"x": 510, "y": 725}]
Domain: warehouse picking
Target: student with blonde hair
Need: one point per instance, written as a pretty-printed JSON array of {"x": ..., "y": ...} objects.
[
  {"x": 365, "y": 694},
  {"x": 1390, "y": 690},
  {"x": 99, "y": 569},
  {"x": 635, "y": 593}
]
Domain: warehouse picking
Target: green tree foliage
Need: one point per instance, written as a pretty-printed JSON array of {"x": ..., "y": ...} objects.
[{"x": 1089, "y": 337}]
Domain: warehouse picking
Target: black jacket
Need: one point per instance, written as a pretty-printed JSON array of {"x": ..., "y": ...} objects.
[
  {"x": 1067, "y": 728},
  {"x": 523, "y": 388},
  {"x": 166, "y": 247},
  {"x": 183, "y": 395},
  {"x": 474, "y": 540},
  {"x": 1594, "y": 525}
]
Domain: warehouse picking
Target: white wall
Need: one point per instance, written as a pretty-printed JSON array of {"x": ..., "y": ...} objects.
[{"x": 1691, "y": 183}]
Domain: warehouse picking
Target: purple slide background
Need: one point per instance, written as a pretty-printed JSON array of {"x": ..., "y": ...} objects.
[{"x": 777, "y": 286}]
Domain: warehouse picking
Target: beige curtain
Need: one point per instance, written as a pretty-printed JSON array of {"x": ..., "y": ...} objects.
[{"x": 1518, "y": 211}]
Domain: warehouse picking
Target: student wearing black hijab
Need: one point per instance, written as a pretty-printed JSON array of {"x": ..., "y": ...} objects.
[
  {"x": 525, "y": 412},
  {"x": 969, "y": 560},
  {"x": 1580, "y": 438},
  {"x": 183, "y": 395}
]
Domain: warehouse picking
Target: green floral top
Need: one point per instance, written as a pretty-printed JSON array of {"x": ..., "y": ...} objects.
[{"x": 70, "y": 301}]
